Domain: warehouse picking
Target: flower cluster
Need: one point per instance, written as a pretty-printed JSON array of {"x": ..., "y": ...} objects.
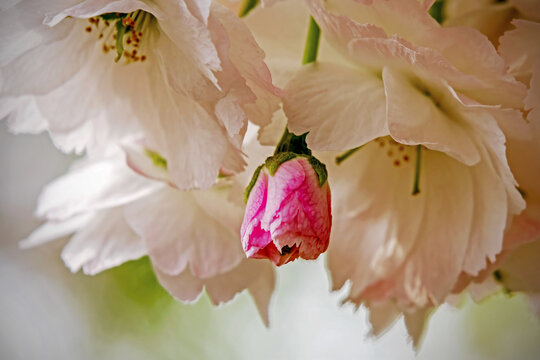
[{"x": 421, "y": 116}]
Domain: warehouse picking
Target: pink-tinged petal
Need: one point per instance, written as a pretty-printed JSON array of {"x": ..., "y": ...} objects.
[
  {"x": 22, "y": 115},
  {"x": 416, "y": 325},
  {"x": 254, "y": 238},
  {"x": 520, "y": 270},
  {"x": 491, "y": 19},
  {"x": 417, "y": 118},
  {"x": 532, "y": 101},
  {"x": 105, "y": 242},
  {"x": 519, "y": 47},
  {"x": 435, "y": 262},
  {"x": 377, "y": 220},
  {"x": 381, "y": 32},
  {"x": 382, "y": 317},
  {"x": 24, "y": 75},
  {"x": 178, "y": 231},
  {"x": 303, "y": 220},
  {"x": 247, "y": 57},
  {"x": 257, "y": 277},
  {"x": 289, "y": 177},
  {"x": 181, "y": 136},
  {"x": 52, "y": 230},
  {"x": 341, "y": 108},
  {"x": 93, "y": 185},
  {"x": 184, "y": 286},
  {"x": 138, "y": 158},
  {"x": 91, "y": 8}
]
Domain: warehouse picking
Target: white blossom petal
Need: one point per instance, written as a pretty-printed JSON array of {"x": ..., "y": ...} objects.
[
  {"x": 341, "y": 108},
  {"x": 178, "y": 232},
  {"x": 105, "y": 242}
]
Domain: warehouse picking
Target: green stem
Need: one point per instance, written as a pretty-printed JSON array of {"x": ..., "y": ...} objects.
[
  {"x": 312, "y": 42},
  {"x": 436, "y": 11},
  {"x": 247, "y": 6},
  {"x": 416, "y": 186},
  {"x": 292, "y": 143},
  {"x": 341, "y": 158}
]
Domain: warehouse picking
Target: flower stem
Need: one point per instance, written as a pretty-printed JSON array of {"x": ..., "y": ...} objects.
[
  {"x": 436, "y": 11},
  {"x": 416, "y": 186},
  {"x": 292, "y": 143},
  {"x": 312, "y": 42},
  {"x": 341, "y": 158},
  {"x": 247, "y": 6}
]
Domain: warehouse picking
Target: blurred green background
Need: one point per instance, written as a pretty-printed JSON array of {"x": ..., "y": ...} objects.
[{"x": 49, "y": 313}]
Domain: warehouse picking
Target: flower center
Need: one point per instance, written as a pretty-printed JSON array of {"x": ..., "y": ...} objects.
[
  {"x": 121, "y": 32},
  {"x": 397, "y": 153}
]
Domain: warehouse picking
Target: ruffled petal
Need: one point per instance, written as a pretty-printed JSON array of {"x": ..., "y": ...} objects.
[
  {"x": 341, "y": 108},
  {"x": 256, "y": 276},
  {"x": 93, "y": 185},
  {"x": 417, "y": 118},
  {"x": 178, "y": 232},
  {"x": 105, "y": 242},
  {"x": 52, "y": 230}
]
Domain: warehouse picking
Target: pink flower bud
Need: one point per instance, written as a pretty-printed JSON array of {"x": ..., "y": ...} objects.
[{"x": 288, "y": 214}]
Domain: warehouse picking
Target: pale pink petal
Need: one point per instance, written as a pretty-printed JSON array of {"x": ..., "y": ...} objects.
[
  {"x": 52, "y": 230},
  {"x": 256, "y": 276},
  {"x": 341, "y": 108},
  {"x": 416, "y": 325},
  {"x": 93, "y": 185},
  {"x": 417, "y": 118},
  {"x": 376, "y": 219},
  {"x": 382, "y": 32},
  {"x": 248, "y": 59},
  {"x": 22, "y": 115},
  {"x": 520, "y": 270},
  {"x": 91, "y": 8},
  {"x": 178, "y": 232},
  {"x": 382, "y": 317},
  {"x": 105, "y": 242},
  {"x": 181, "y": 136},
  {"x": 140, "y": 160},
  {"x": 184, "y": 286},
  {"x": 24, "y": 75},
  {"x": 254, "y": 238},
  {"x": 520, "y": 49}
]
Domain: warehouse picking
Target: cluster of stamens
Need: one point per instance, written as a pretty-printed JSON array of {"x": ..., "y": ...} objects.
[
  {"x": 121, "y": 33},
  {"x": 398, "y": 153}
]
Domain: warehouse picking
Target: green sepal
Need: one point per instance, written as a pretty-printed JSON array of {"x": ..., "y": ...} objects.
[
  {"x": 319, "y": 168},
  {"x": 274, "y": 162},
  {"x": 252, "y": 183}
]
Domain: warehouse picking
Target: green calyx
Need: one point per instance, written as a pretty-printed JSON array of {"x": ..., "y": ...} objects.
[
  {"x": 274, "y": 162},
  {"x": 289, "y": 147},
  {"x": 252, "y": 182}
]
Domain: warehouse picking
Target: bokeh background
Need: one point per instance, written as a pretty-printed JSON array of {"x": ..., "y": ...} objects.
[{"x": 46, "y": 312}]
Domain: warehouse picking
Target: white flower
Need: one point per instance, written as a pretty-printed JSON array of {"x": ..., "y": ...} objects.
[
  {"x": 425, "y": 103},
  {"x": 185, "y": 73},
  {"x": 116, "y": 215}
]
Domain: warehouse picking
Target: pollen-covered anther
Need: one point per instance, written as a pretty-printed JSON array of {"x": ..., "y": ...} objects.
[{"x": 121, "y": 33}]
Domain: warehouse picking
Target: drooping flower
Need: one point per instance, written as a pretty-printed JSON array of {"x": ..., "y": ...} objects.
[
  {"x": 288, "y": 212},
  {"x": 427, "y": 192},
  {"x": 186, "y": 74},
  {"x": 116, "y": 215}
]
